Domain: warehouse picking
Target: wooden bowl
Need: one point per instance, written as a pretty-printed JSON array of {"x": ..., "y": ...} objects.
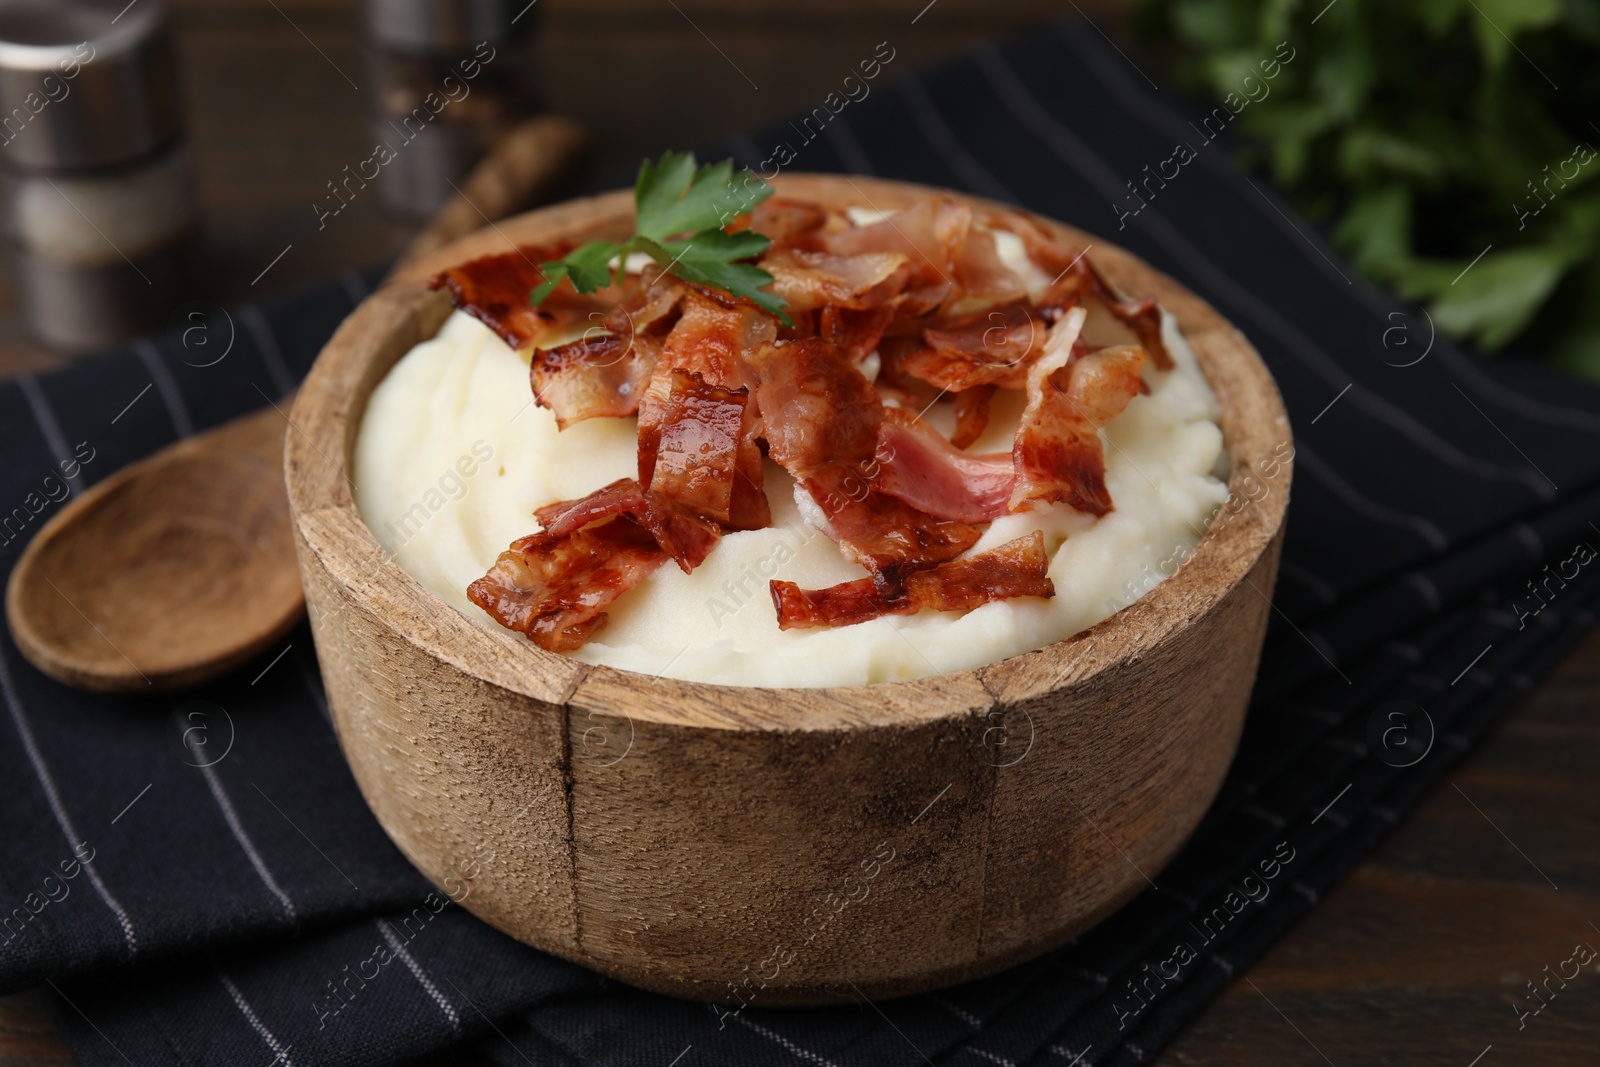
[{"x": 782, "y": 846}]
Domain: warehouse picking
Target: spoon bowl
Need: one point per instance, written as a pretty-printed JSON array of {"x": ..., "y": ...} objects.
[{"x": 173, "y": 571}]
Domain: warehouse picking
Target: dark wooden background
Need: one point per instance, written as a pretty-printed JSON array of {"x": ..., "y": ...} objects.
[
  {"x": 1416, "y": 959},
  {"x": 271, "y": 121}
]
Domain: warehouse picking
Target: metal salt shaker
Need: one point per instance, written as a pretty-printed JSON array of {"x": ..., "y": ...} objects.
[{"x": 96, "y": 182}]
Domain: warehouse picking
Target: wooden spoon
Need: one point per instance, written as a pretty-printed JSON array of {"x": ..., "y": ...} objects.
[
  {"x": 175, "y": 569},
  {"x": 181, "y": 567}
]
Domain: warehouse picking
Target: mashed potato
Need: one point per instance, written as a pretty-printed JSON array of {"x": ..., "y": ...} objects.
[{"x": 453, "y": 457}]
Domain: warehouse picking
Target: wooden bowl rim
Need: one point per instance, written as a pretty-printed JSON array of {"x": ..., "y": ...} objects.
[{"x": 403, "y": 311}]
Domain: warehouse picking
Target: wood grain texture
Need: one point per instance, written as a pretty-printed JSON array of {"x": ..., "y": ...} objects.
[
  {"x": 173, "y": 571},
  {"x": 737, "y": 844},
  {"x": 1419, "y": 956}
]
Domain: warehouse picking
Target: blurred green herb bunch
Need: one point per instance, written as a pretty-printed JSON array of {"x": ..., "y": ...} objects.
[{"x": 1422, "y": 132}]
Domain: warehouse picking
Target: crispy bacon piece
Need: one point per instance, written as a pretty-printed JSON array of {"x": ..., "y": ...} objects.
[
  {"x": 555, "y": 588},
  {"x": 1076, "y": 277},
  {"x": 593, "y": 377},
  {"x": 1017, "y": 568},
  {"x": 494, "y": 290},
  {"x": 823, "y": 421},
  {"x": 897, "y": 385},
  {"x": 569, "y": 516},
  {"x": 917, "y": 465},
  {"x": 702, "y": 427},
  {"x": 992, "y": 347},
  {"x": 782, "y": 219},
  {"x": 1048, "y": 253},
  {"x": 604, "y": 372},
  {"x": 972, "y": 414},
  {"x": 881, "y": 532},
  {"x": 710, "y": 340},
  {"x": 816, "y": 406},
  {"x": 931, "y": 235},
  {"x": 678, "y": 531},
  {"x": 855, "y": 333},
  {"x": 713, "y": 334},
  {"x": 748, "y": 508},
  {"x": 982, "y": 275},
  {"x": 807, "y": 280},
  {"x": 1143, "y": 317},
  {"x": 1057, "y": 451}
]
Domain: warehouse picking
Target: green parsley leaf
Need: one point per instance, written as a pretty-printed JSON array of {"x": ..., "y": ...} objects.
[
  {"x": 587, "y": 265},
  {"x": 680, "y": 209},
  {"x": 710, "y": 258},
  {"x": 673, "y": 197}
]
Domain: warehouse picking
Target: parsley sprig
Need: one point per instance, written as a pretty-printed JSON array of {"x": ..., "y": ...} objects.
[{"x": 680, "y": 210}]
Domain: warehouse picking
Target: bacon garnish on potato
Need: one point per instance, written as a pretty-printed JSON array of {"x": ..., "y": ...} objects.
[
  {"x": 1057, "y": 452},
  {"x": 782, "y": 219},
  {"x": 556, "y": 588},
  {"x": 972, "y": 414},
  {"x": 1015, "y": 569},
  {"x": 604, "y": 372},
  {"x": 918, "y": 465},
  {"x": 887, "y": 320},
  {"x": 823, "y": 423},
  {"x": 701, "y": 428},
  {"x": 808, "y": 280},
  {"x": 709, "y": 341},
  {"x": 991, "y": 347},
  {"x": 494, "y": 290},
  {"x": 683, "y": 535}
]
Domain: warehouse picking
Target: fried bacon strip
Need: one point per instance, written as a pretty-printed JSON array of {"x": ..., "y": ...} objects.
[
  {"x": 700, "y": 430},
  {"x": 818, "y": 409},
  {"x": 1081, "y": 279},
  {"x": 494, "y": 290},
  {"x": 592, "y": 377},
  {"x": 823, "y": 422},
  {"x": 856, "y": 333},
  {"x": 991, "y": 347},
  {"x": 972, "y": 414},
  {"x": 709, "y": 342},
  {"x": 877, "y": 530},
  {"x": 1015, "y": 569},
  {"x": 931, "y": 235},
  {"x": 603, "y": 373},
  {"x": 678, "y": 531},
  {"x": 981, "y": 275},
  {"x": 917, "y": 465},
  {"x": 556, "y": 588},
  {"x": 1076, "y": 277},
  {"x": 807, "y": 280},
  {"x": 1057, "y": 451},
  {"x": 782, "y": 219}
]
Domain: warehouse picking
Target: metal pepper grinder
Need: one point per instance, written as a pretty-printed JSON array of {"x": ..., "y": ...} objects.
[
  {"x": 100, "y": 208},
  {"x": 449, "y": 77}
]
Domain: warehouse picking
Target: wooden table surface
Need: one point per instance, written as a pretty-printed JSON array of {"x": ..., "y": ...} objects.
[{"x": 1415, "y": 959}]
